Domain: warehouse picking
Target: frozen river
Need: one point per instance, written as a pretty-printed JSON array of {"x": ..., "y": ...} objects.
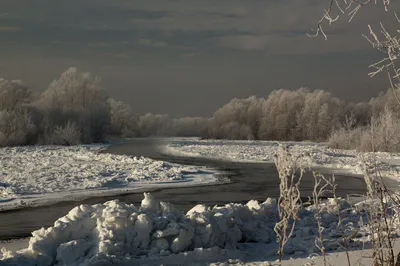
[{"x": 247, "y": 181}]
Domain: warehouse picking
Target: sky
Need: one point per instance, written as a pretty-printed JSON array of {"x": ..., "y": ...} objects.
[{"x": 189, "y": 57}]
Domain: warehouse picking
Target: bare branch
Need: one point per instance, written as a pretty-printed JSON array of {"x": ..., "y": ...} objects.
[{"x": 347, "y": 7}]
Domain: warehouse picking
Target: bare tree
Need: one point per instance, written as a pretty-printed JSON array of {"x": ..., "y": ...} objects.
[{"x": 387, "y": 43}]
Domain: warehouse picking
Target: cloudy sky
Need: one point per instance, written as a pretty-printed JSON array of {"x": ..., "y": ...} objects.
[{"x": 188, "y": 57}]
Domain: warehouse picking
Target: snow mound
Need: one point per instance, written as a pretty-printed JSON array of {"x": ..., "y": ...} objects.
[{"x": 116, "y": 232}]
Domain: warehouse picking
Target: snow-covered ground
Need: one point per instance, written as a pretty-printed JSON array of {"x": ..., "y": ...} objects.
[
  {"x": 341, "y": 161},
  {"x": 115, "y": 233},
  {"x": 250, "y": 257},
  {"x": 37, "y": 175}
]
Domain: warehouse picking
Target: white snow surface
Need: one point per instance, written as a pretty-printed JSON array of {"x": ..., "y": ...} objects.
[
  {"x": 116, "y": 233},
  {"x": 340, "y": 161},
  {"x": 38, "y": 174}
]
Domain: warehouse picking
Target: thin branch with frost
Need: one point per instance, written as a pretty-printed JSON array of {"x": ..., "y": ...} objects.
[
  {"x": 347, "y": 7},
  {"x": 326, "y": 16},
  {"x": 393, "y": 89},
  {"x": 321, "y": 185},
  {"x": 340, "y": 224},
  {"x": 289, "y": 202},
  {"x": 390, "y": 45},
  {"x": 383, "y": 217}
]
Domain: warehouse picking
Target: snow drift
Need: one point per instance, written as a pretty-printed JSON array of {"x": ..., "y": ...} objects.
[{"x": 116, "y": 232}]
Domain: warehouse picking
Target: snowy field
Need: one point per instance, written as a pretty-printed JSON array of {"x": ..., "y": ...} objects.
[
  {"x": 44, "y": 174},
  {"x": 340, "y": 161},
  {"x": 115, "y": 233}
]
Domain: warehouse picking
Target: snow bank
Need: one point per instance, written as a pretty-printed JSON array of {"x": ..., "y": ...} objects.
[
  {"x": 116, "y": 232},
  {"x": 349, "y": 161},
  {"x": 29, "y": 172}
]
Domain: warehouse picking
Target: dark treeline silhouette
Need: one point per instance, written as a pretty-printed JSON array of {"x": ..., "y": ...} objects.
[{"x": 76, "y": 109}]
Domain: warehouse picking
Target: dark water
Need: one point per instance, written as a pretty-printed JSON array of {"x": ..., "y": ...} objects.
[{"x": 248, "y": 181}]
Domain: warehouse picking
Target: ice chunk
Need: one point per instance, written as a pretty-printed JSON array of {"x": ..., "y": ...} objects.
[
  {"x": 143, "y": 227},
  {"x": 253, "y": 204},
  {"x": 72, "y": 252},
  {"x": 200, "y": 208},
  {"x": 184, "y": 239},
  {"x": 169, "y": 210},
  {"x": 173, "y": 228},
  {"x": 160, "y": 244},
  {"x": 149, "y": 203}
]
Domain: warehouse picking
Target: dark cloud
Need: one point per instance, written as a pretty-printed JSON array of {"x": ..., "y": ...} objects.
[{"x": 187, "y": 57}]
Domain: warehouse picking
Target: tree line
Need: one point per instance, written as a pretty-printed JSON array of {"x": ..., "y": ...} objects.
[
  {"x": 75, "y": 109},
  {"x": 314, "y": 115}
]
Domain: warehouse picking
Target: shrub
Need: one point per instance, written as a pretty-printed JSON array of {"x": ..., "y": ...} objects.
[
  {"x": 383, "y": 134},
  {"x": 16, "y": 128},
  {"x": 68, "y": 134}
]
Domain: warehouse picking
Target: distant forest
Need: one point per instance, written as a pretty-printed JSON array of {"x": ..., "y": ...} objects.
[{"x": 76, "y": 109}]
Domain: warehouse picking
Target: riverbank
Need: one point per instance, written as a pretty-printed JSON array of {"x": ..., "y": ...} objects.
[
  {"x": 35, "y": 176},
  {"x": 346, "y": 162}
]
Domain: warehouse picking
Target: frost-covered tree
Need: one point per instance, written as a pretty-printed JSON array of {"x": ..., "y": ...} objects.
[
  {"x": 154, "y": 125},
  {"x": 359, "y": 114},
  {"x": 16, "y": 128},
  {"x": 163, "y": 125},
  {"x": 280, "y": 114},
  {"x": 285, "y": 115},
  {"x": 382, "y": 134},
  {"x": 76, "y": 98},
  {"x": 123, "y": 121},
  {"x": 298, "y": 115},
  {"x": 240, "y": 119},
  {"x": 16, "y": 124},
  {"x": 13, "y": 94},
  {"x": 189, "y": 126},
  {"x": 385, "y": 101},
  {"x": 74, "y": 91},
  {"x": 321, "y": 113}
]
